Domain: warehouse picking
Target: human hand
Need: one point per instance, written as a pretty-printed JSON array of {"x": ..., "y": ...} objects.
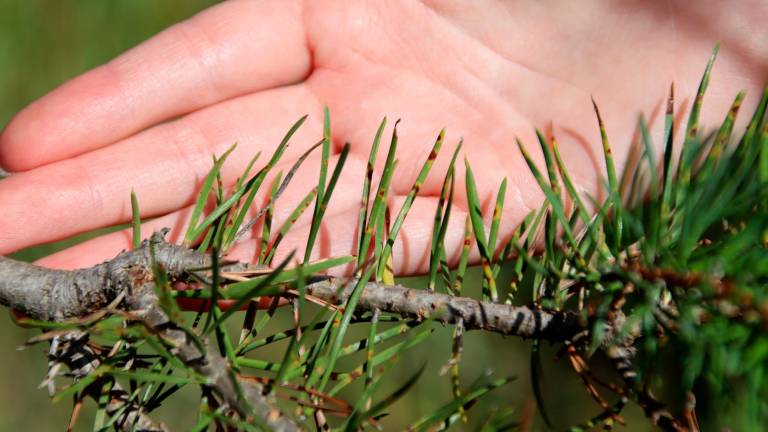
[{"x": 244, "y": 71}]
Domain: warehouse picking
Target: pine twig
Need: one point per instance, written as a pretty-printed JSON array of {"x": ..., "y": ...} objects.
[
  {"x": 71, "y": 349},
  {"x": 57, "y": 295}
]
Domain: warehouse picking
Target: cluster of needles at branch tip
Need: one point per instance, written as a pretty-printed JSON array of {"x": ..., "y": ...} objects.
[{"x": 672, "y": 264}]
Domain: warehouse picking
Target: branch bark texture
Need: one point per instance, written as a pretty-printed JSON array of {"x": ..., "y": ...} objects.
[
  {"x": 57, "y": 295},
  {"x": 521, "y": 321}
]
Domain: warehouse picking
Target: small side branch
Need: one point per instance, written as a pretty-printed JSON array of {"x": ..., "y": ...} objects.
[
  {"x": 246, "y": 399},
  {"x": 72, "y": 350},
  {"x": 656, "y": 411}
]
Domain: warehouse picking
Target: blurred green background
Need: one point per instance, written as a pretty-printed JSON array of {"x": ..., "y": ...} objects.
[{"x": 45, "y": 42}]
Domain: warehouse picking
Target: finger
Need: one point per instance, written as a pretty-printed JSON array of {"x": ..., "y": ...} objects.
[
  {"x": 229, "y": 50},
  {"x": 165, "y": 165},
  {"x": 102, "y": 248}
]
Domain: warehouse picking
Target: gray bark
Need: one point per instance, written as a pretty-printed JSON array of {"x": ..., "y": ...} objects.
[{"x": 521, "y": 321}]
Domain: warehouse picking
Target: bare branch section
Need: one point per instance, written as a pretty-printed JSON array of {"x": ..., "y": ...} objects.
[{"x": 522, "y": 321}]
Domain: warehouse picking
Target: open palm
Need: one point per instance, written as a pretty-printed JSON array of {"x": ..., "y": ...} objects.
[{"x": 244, "y": 71}]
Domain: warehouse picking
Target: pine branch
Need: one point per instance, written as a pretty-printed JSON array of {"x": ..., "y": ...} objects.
[
  {"x": 56, "y": 295},
  {"x": 51, "y": 295},
  {"x": 33, "y": 290}
]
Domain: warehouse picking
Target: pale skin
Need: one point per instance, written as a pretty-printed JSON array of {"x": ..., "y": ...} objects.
[{"x": 244, "y": 71}]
